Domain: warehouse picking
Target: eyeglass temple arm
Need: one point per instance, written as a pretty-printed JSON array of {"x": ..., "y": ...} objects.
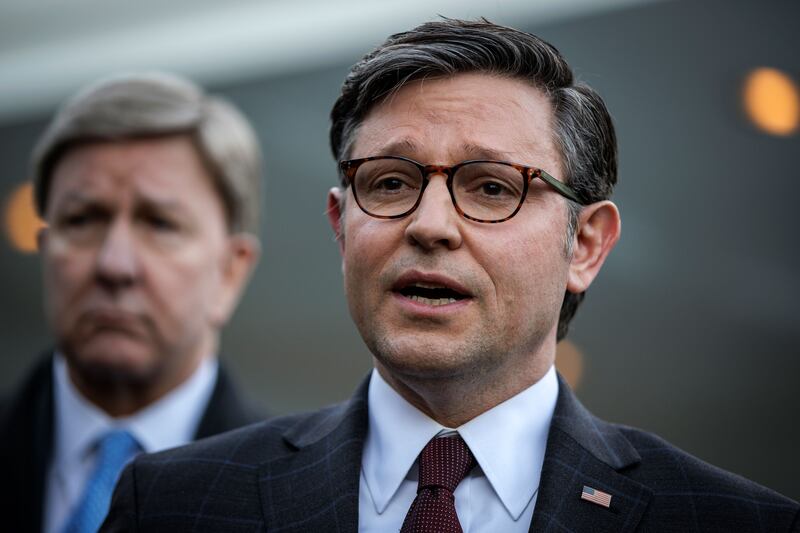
[{"x": 564, "y": 190}]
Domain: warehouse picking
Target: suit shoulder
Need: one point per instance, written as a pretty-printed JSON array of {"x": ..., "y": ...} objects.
[
  {"x": 34, "y": 384},
  {"x": 247, "y": 446},
  {"x": 228, "y": 408},
  {"x": 679, "y": 479},
  {"x": 27, "y": 409},
  {"x": 215, "y": 478},
  {"x": 660, "y": 453}
]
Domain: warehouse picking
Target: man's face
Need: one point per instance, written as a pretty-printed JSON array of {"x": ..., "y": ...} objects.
[
  {"x": 136, "y": 258},
  {"x": 510, "y": 277}
]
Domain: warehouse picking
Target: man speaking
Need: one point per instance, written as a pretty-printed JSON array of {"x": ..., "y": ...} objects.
[
  {"x": 149, "y": 188},
  {"x": 473, "y": 214}
]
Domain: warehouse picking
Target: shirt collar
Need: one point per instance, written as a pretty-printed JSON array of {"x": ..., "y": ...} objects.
[
  {"x": 509, "y": 441},
  {"x": 516, "y": 428},
  {"x": 168, "y": 422}
]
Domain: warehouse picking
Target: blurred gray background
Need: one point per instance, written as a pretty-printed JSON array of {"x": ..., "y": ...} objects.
[{"x": 690, "y": 331}]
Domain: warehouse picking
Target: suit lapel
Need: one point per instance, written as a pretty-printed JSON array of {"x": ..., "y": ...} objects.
[
  {"x": 315, "y": 487},
  {"x": 585, "y": 451},
  {"x": 226, "y": 410},
  {"x": 27, "y": 429}
]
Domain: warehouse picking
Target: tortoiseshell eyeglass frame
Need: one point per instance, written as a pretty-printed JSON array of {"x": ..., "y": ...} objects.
[{"x": 350, "y": 167}]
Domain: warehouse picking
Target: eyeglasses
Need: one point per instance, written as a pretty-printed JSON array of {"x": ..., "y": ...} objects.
[{"x": 481, "y": 190}]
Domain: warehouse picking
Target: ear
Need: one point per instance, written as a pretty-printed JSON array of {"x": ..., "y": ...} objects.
[
  {"x": 241, "y": 257},
  {"x": 335, "y": 213},
  {"x": 597, "y": 232}
]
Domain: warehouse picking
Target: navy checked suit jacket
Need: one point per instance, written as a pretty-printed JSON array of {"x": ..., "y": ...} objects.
[
  {"x": 301, "y": 473},
  {"x": 26, "y": 441}
]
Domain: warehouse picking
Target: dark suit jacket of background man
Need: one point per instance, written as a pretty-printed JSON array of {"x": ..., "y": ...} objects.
[
  {"x": 26, "y": 441},
  {"x": 301, "y": 473}
]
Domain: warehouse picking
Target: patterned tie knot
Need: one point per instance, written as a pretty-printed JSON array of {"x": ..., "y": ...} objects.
[{"x": 444, "y": 462}]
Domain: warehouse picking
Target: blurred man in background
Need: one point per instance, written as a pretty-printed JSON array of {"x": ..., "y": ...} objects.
[
  {"x": 150, "y": 192},
  {"x": 473, "y": 214}
]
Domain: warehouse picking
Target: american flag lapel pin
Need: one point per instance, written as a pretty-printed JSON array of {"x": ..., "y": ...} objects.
[{"x": 596, "y": 496}]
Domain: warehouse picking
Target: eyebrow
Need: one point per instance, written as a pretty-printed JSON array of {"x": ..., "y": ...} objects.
[
  {"x": 408, "y": 147},
  {"x": 159, "y": 203},
  {"x": 78, "y": 198},
  {"x": 404, "y": 147},
  {"x": 477, "y": 151}
]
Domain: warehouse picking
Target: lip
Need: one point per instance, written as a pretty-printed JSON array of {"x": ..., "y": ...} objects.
[
  {"x": 111, "y": 319},
  {"x": 414, "y": 276},
  {"x": 416, "y": 308}
]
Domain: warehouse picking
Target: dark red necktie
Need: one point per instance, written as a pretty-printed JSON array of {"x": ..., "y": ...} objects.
[{"x": 443, "y": 463}]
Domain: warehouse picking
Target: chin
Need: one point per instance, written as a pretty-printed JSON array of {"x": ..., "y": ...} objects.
[
  {"x": 112, "y": 361},
  {"x": 431, "y": 360}
]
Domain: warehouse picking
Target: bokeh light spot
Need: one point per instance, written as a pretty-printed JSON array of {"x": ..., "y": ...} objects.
[
  {"x": 772, "y": 101},
  {"x": 569, "y": 361},
  {"x": 21, "y": 221}
]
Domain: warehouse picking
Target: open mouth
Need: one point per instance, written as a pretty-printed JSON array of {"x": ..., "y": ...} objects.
[{"x": 431, "y": 294}]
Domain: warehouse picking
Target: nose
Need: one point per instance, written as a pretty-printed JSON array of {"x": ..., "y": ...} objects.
[
  {"x": 435, "y": 221},
  {"x": 117, "y": 260}
]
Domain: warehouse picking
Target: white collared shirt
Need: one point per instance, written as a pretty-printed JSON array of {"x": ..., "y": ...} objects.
[
  {"x": 508, "y": 442},
  {"x": 78, "y": 424}
]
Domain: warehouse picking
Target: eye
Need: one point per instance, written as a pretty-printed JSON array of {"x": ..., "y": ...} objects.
[
  {"x": 76, "y": 220},
  {"x": 161, "y": 223},
  {"x": 389, "y": 184},
  {"x": 80, "y": 219},
  {"x": 393, "y": 182},
  {"x": 492, "y": 188}
]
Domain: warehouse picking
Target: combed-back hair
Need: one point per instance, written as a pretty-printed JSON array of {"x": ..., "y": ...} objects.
[
  {"x": 583, "y": 128},
  {"x": 151, "y": 104}
]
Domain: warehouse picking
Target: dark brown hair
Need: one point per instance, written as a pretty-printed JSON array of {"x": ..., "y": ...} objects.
[{"x": 583, "y": 127}]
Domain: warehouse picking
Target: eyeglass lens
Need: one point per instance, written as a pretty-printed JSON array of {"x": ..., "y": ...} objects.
[{"x": 485, "y": 191}]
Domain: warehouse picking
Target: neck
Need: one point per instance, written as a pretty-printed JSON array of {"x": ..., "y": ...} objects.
[
  {"x": 121, "y": 394},
  {"x": 454, "y": 401}
]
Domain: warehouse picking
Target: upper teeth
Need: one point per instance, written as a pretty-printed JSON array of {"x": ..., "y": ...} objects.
[{"x": 423, "y": 285}]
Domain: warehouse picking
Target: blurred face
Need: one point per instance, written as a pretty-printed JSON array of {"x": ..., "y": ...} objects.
[
  {"x": 136, "y": 259},
  {"x": 436, "y": 295}
]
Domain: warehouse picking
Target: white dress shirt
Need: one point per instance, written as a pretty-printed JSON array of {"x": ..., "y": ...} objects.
[
  {"x": 508, "y": 442},
  {"x": 78, "y": 424}
]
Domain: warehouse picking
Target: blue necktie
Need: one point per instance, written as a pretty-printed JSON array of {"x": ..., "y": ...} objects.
[{"x": 115, "y": 449}]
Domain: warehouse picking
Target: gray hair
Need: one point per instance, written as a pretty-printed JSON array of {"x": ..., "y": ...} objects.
[
  {"x": 151, "y": 104},
  {"x": 583, "y": 127}
]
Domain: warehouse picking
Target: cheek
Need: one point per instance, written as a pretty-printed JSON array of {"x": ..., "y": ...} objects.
[
  {"x": 184, "y": 288},
  {"x": 532, "y": 274},
  {"x": 512, "y": 276},
  {"x": 368, "y": 245},
  {"x": 174, "y": 286},
  {"x": 357, "y": 268},
  {"x": 67, "y": 274}
]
